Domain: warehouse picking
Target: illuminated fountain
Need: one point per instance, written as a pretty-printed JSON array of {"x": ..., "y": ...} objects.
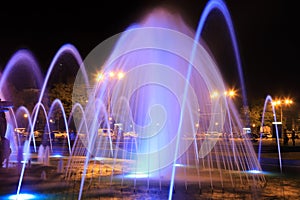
[
  {"x": 173, "y": 132},
  {"x": 24, "y": 147},
  {"x": 184, "y": 136}
]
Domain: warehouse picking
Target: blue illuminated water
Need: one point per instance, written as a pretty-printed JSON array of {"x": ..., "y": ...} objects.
[
  {"x": 165, "y": 98},
  {"x": 183, "y": 141}
]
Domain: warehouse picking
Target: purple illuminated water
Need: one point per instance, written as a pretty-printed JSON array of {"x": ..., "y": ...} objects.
[
  {"x": 165, "y": 97},
  {"x": 23, "y": 64},
  {"x": 174, "y": 133},
  {"x": 269, "y": 100}
]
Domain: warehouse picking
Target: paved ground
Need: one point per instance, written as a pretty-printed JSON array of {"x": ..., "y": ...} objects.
[
  {"x": 52, "y": 179},
  {"x": 269, "y": 149}
]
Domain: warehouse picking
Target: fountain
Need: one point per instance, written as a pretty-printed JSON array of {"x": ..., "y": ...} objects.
[
  {"x": 164, "y": 96},
  {"x": 41, "y": 154},
  {"x": 158, "y": 129}
]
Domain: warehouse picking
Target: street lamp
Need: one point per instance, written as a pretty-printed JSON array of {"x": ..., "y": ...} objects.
[
  {"x": 280, "y": 102},
  {"x": 228, "y": 93},
  {"x": 231, "y": 93},
  {"x": 110, "y": 76}
]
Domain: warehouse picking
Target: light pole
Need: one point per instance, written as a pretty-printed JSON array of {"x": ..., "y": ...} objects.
[
  {"x": 227, "y": 94},
  {"x": 280, "y": 103},
  {"x": 110, "y": 76}
]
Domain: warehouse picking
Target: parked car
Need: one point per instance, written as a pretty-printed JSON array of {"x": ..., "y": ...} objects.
[
  {"x": 57, "y": 135},
  {"x": 130, "y": 135},
  {"x": 38, "y": 133},
  {"x": 266, "y": 135},
  {"x": 25, "y": 133},
  {"x": 21, "y": 131},
  {"x": 60, "y": 135},
  {"x": 297, "y": 135},
  {"x": 105, "y": 132}
]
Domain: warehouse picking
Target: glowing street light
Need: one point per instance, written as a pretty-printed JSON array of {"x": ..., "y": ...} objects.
[
  {"x": 280, "y": 102},
  {"x": 109, "y": 76},
  {"x": 230, "y": 93},
  {"x": 227, "y": 94},
  {"x": 100, "y": 77}
]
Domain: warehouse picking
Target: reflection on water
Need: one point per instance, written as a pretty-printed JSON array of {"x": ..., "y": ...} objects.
[{"x": 278, "y": 186}]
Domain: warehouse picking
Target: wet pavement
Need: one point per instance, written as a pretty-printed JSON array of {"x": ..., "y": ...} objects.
[{"x": 282, "y": 172}]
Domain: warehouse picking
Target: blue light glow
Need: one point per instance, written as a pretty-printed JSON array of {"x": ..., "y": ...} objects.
[
  {"x": 24, "y": 196},
  {"x": 255, "y": 171},
  {"x": 179, "y": 165},
  {"x": 137, "y": 175},
  {"x": 57, "y": 156}
]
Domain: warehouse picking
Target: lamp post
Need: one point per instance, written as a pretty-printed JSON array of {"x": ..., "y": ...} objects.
[
  {"x": 280, "y": 103},
  {"x": 110, "y": 76},
  {"x": 227, "y": 94}
]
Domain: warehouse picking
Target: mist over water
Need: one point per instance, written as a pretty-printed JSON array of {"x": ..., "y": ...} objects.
[
  {"x": 158, "y": 115},
  {"x": 166, "y": 98}
]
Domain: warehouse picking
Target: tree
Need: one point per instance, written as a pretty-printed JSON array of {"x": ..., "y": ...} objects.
[
  {"x": 63, "y": 92},
  {"x": 256, "y": 113}
]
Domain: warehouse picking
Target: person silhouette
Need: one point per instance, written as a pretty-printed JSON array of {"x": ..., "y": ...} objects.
[
  {"x": 293, "y": 137},
  {"x": 5, "y": 149},
  {"x": 285, "y": 137},
  {"x": 3, "y": 123}
]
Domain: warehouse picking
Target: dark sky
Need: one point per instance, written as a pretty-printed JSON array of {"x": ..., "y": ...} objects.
[{"x": 266, "y": 32}]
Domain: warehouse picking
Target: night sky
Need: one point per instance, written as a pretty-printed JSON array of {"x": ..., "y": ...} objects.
[{"x": 266, "y": 32}]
